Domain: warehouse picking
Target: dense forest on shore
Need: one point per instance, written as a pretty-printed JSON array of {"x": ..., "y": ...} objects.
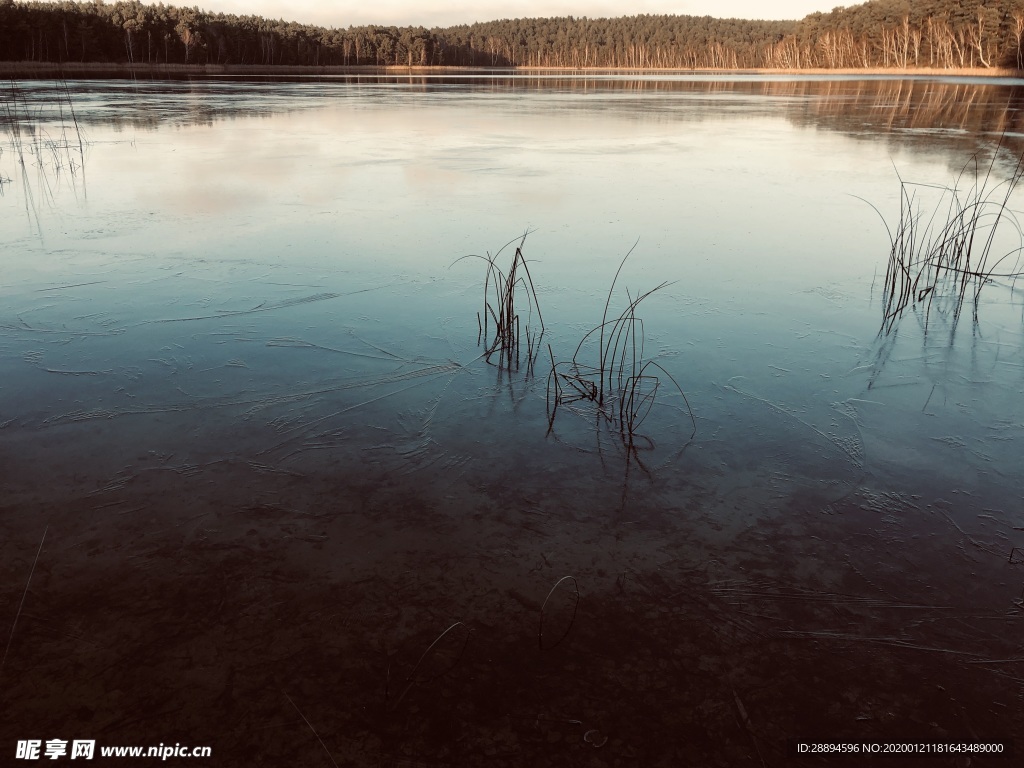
[{"x": 879, "y": 33}]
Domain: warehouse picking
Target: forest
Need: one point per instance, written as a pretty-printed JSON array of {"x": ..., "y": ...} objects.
[{"x": 891, "y": 34}]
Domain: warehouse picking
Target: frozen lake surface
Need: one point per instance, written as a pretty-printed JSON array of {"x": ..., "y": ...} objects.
[{"x": 266, "y": 492}]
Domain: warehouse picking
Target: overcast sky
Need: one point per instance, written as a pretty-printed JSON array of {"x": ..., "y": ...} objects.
[{"x": 430, "y": 13}]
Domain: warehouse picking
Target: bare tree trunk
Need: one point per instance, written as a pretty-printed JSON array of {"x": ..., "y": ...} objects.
[
  {"x": 976, "y": 35},
  {"x": 1018, "y": 33}
]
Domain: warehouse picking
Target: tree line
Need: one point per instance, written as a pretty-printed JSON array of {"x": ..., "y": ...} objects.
[{"x": 880, "y": 33}]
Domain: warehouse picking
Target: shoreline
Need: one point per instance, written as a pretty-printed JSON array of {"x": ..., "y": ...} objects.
[{"x": 28, "y": 69}]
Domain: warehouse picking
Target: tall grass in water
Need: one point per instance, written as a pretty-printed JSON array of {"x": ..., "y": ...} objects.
[
  {"x": 620, "y": 381},
  {"x": 942, "y": 262},
  {"x": 502, "y": 327},
  {"x": 4, "y": 179},
  {"x": 60, "y": 151}
]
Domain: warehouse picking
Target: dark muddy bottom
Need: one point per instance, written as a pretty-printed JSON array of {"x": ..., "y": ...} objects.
[{"x": 304, "y": 622}]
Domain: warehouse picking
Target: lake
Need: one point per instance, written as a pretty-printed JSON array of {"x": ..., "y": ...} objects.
[{"x": 270, "y": 486}]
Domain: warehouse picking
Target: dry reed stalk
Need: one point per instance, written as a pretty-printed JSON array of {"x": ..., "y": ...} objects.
[
  {"x": 575, "y": 608},
  {"x": 940, "y": 262}
]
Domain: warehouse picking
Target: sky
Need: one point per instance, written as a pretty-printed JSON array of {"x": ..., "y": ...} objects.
[{"x": 431, "y": 13}]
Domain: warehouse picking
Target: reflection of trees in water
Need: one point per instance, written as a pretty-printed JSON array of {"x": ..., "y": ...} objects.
[
  {"x": 913, "y": 113},
  {"x": 962, "y": 118},
  {"x": 149, "y": 104}
]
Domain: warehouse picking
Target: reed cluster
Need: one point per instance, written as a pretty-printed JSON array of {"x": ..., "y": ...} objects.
[
  {"x": 610, "y": 370},
  {"x": 502, "y": 326},
  {"x": 942, "y": 261},
  {"x": 61, "y": 150}
]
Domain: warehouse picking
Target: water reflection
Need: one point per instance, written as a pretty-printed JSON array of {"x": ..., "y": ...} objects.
[{"x": 958, "y": 114}]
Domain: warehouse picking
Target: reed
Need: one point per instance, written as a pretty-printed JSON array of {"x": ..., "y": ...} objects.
[
  {"x": 57, "y": 152},
  {"x": 501, "y": 326},
  {"x": 942, "y": 262},
  {"x": 572, "y": 619},
  {"x": 620, "y": 381},
  {"x": 414, "y": 678},
  {"x": 306, "y": 721},
  {"x": 21, "y": 605}
]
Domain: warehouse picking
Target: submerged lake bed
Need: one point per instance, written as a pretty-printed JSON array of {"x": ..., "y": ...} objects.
[{"x": 263, "y": 490}]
